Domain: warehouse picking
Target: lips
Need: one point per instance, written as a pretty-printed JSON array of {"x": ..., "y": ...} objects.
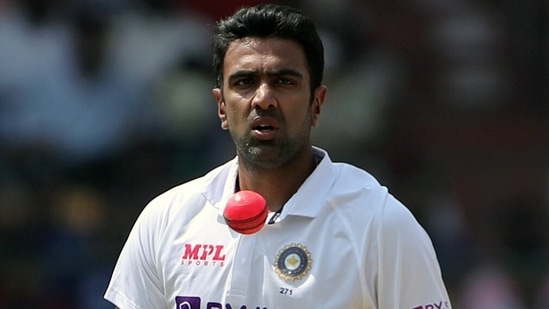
[{"x": 264, "y": 128}]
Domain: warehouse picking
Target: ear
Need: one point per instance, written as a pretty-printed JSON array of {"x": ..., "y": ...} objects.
[
  {"x": 218, "y": 95},
  {"x": 318, "y": 100}
]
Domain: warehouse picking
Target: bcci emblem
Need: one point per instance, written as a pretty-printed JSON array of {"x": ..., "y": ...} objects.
[{"x": 293, "y": 262}]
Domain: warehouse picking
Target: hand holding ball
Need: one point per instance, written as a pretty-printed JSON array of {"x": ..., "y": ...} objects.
[{"x": 246, "y": 212}]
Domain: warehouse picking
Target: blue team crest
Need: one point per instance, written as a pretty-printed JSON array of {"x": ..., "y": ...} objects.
[{"x": 293, "y": 262}]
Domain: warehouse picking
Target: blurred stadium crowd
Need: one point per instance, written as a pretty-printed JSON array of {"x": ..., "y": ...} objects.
[{"x": 106, "y": 103}]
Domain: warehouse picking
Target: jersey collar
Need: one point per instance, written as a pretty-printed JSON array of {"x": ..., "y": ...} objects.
[
  {"x": 312, "y": 195},
  {"x": 306, "y": 202}
]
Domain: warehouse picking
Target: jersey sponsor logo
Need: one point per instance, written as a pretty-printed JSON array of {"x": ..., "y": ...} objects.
[
  {"x": 293, "y": 262},
  {"x": 203, "y": 255},
  {"x": 186, "y": 302},
  {"x": 439, "y": 305}
]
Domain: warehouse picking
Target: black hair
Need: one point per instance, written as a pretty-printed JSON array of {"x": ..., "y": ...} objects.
[{"x": 269, "y": 21}]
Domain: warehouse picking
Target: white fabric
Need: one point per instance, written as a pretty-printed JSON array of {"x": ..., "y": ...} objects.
[{"x": 366, "y": 249}]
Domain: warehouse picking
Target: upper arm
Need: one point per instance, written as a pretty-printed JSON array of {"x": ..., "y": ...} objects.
[
  {"x": 409, "y": 272},
  {"x": 135, "y": 282}
]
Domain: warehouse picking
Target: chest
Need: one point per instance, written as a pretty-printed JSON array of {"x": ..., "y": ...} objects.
[{"x": 285, "y": 265}]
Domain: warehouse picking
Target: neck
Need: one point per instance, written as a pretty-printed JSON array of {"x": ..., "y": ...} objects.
[{"x": 277, "y": 185}]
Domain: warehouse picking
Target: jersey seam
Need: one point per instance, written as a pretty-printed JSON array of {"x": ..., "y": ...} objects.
[{"x": 354, "y": 245}]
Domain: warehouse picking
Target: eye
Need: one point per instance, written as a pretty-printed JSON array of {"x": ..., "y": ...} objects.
[
  {"x": 243, "y": 82},
  {"x": 285, "y": 81}
]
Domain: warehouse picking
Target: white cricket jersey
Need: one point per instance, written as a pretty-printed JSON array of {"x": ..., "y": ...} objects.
[{"x": 342, "y": 241}]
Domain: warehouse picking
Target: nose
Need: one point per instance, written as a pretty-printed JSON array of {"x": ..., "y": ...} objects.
[{"x": 264, "y": 97}]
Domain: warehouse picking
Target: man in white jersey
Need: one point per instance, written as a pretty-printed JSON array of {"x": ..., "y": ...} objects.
[{"x": 334, "y": 237}]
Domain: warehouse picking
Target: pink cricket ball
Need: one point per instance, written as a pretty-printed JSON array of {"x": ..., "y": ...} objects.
[{"x": 246, "y": 212}]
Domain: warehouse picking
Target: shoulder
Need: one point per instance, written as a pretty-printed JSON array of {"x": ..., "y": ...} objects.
[
  {"x": 185, "y": 200},
  {"x": 353, "y": 178},
  {"x": 359, "y": 194},
  {"x": 354, "y": 187}
]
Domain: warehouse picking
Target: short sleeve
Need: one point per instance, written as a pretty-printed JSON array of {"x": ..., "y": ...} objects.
[
  {"x": 135, "y": 282},
  {"x": 409, "y": 274}
]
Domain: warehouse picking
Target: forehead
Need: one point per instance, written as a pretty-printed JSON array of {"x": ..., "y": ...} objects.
[{"x": 264, "y": 54}]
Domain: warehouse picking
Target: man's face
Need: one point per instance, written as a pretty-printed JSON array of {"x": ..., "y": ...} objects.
[{"x": 265, "y": 101}]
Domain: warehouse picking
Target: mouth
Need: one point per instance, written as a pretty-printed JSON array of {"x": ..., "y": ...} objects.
[{"x": 264, "y": 128}]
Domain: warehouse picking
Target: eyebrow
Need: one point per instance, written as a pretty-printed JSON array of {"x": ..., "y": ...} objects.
[
  {"x": 284, "y": 71},
  {"x": 275, "y": 72}
]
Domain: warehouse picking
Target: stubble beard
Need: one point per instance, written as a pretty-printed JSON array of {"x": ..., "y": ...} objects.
[{"x": 259, "y": 154}]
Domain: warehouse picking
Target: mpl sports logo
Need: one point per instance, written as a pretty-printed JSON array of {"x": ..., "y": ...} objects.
[
  {"x": 203, "y": 255},
  {"x": 186, "y": 302}
]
